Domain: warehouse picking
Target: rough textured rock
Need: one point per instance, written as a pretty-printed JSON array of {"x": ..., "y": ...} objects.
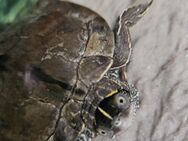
[{"x": 159, "y": 68}]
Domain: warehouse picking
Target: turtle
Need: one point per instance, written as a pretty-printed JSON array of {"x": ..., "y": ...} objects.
[{"x": 62, "y": 74}]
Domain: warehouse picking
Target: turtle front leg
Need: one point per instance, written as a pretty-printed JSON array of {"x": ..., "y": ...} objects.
[
  {"x": 132, "y": 15},
  {"x": 128, "y": 18}
]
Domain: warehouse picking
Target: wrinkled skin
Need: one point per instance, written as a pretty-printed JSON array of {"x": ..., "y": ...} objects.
[{"x": 54, "y": 67}]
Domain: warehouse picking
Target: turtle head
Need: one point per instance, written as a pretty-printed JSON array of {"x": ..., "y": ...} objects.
[
  {"x": 109, "y": 111},
  {"x": 107, "y": 101}
]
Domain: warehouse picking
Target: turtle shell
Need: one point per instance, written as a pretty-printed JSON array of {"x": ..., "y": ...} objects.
[
  {"x": 61, "y": 76},
  {"x": 52, "y": 62}
]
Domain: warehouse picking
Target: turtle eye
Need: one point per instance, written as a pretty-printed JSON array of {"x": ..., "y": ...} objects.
[{"x": 119, "y": 101}]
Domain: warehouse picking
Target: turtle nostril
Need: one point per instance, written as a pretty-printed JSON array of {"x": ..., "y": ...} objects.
[
  {"x": 117, "y": 122},
  {"x": 103, "y": 132}
]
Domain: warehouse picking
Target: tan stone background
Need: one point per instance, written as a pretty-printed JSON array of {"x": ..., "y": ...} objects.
[{"x": 158, "y": 68}]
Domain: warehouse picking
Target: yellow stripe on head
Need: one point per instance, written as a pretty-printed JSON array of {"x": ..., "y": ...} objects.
[
  {"x": 111, "y": 93},
  {"x": 105, "y": 113}
]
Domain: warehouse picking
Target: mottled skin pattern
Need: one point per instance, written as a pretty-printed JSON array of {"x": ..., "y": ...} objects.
[{"x": 54, "y": 74}]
